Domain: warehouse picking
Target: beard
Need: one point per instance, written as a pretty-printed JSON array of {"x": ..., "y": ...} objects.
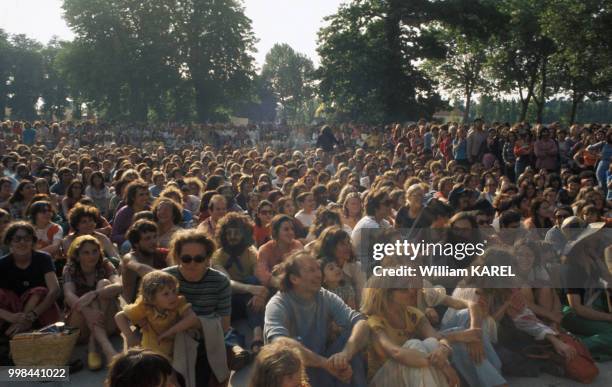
[{"x": 234, "y": 249}]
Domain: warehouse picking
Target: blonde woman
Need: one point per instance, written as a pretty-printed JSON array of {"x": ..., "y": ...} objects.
[
  {"x": 404, "y": 349},
  {"x": 279, "y": 366},
  {"x": 352, "y": 210}
]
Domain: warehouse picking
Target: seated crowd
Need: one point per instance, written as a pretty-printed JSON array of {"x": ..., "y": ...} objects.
[{"x": 172, "y": 248}]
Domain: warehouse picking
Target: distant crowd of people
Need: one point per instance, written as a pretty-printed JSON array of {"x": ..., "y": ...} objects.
[{"x": 169, "y": 235}]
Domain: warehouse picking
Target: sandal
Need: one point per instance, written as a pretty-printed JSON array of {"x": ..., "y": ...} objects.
[
  {"x": 256, "y": 346},
  {"x": 94, "y": 361}
]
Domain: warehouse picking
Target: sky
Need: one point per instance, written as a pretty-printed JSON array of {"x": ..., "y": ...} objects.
[{"x": 294, "y": 22}]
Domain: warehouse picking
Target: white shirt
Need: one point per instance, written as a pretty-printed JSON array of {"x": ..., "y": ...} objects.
[
  {"x": 367, "y": 222},
  {"x": 306, "y": 219}
]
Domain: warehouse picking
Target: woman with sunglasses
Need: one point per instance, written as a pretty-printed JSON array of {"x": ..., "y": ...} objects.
[
  {"x": 28, "y": 284},
  {"x": 207, "y": 290},
  {"x": 262, "y": 231}
]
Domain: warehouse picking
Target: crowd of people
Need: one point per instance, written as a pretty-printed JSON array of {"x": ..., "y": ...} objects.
[{"x": 171, "y": 237}]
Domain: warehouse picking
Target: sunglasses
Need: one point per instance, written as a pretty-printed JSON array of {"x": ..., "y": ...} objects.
[
  {"x": 22, "y": 238},
  {"x": 189, "y": 259}
]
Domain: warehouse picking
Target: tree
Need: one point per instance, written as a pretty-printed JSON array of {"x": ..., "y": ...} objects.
[
  {"x": 215, "y": 41},
  {"x": 521, "y": 55},
  {"x": 366, "y": 70},
  {"x": 460, "y": 72},
  {"x": 54, "y": 90},
  {"x": 370, "y": 48},
  {"x": 290, "y": 75},
  {"x": 5, "y": 71},
  {"x": 124, "y": 55},
  {"x": 26, "y": 78},
  {"x": 583, "y": 58}
]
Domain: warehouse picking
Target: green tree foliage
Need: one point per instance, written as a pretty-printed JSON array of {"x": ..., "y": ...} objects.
[
  {"x": 54, "y": 91},
  {"x": 367, "y": 71},
  {"x": 460, "y": 71},
  {"x": 26, "y": 76},
  {"x": 215, "y": 42},
  {"x": 370, "y": 50},
  {"x": 291, "y": 76},
  {"x": 5, "y": 71},
  {"x": 583, "y": 58}
]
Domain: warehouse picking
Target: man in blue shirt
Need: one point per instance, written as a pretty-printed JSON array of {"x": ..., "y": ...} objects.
[
  {"x": 29, "y": 135},
  {"x": 300, "y": 315}
]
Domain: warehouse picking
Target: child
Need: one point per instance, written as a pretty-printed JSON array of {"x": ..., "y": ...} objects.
[
  {"x": 159, "y": 311},
  {"x": 333, "y": 280}
]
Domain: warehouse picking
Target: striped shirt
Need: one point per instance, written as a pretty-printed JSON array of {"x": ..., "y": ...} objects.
[{"x": 210, "y": 295}]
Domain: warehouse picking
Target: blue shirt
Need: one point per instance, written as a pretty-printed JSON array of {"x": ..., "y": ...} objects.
[
  {"x": 287, "y": 315},
  {"x": 29, "y": 136}
]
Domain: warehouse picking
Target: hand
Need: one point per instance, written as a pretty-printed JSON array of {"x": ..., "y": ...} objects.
[
  {"x": 568, "y": 352},
  {"x": 439, "y": 357},
  {"x": 432, "y": 316},
  {"x": 164, "y": 336},
  {"x": 476, "y": 352},
  {"x": 18, "y": 328},
  {"x": 85, "y": 300},
  {"x": 343, "y": 374},
  {"x": 472, "y": 335},
  {"x": 260, "y": 291},
  {"x": 339, "y": 360},
  {"x": 257, "y": 303}
]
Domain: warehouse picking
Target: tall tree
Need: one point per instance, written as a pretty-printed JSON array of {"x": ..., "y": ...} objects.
[
  {"x": 522, "y": 53},
  {"x": 461, "y": 71},
  {"x": 26, "y": 77},
  {"x": 216, "y": 43},
  {"x": 54, "y": 90},
  {"x": 583, "y": 58},
  {"x": 290, "y": 75},
  {"x": 366, "y": 70},
  {"x": 5, "y": 71}
]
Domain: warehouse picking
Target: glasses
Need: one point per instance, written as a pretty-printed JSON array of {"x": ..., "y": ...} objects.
[
  {"x": 266, "y": 212},
  {"x": 22, "y": 238},
  {"x": 189, "y": 259}
]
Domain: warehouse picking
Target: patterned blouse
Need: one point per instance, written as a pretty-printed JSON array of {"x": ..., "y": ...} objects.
[{"x": 72, "y": 273}]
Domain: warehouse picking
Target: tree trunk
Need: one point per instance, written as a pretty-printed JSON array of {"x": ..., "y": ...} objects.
[
  {"x": 393, "y": 73},
  {"x": 203, "y": 103},
  {"x": 468, "y": 104},
  {"x": 576, "y": 99},
  {"x": 542, "y": 102},
  {"x": 525, "y": 106}
]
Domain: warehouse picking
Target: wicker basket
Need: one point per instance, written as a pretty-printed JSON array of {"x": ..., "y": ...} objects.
[{"x": 43, "y": 349}]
